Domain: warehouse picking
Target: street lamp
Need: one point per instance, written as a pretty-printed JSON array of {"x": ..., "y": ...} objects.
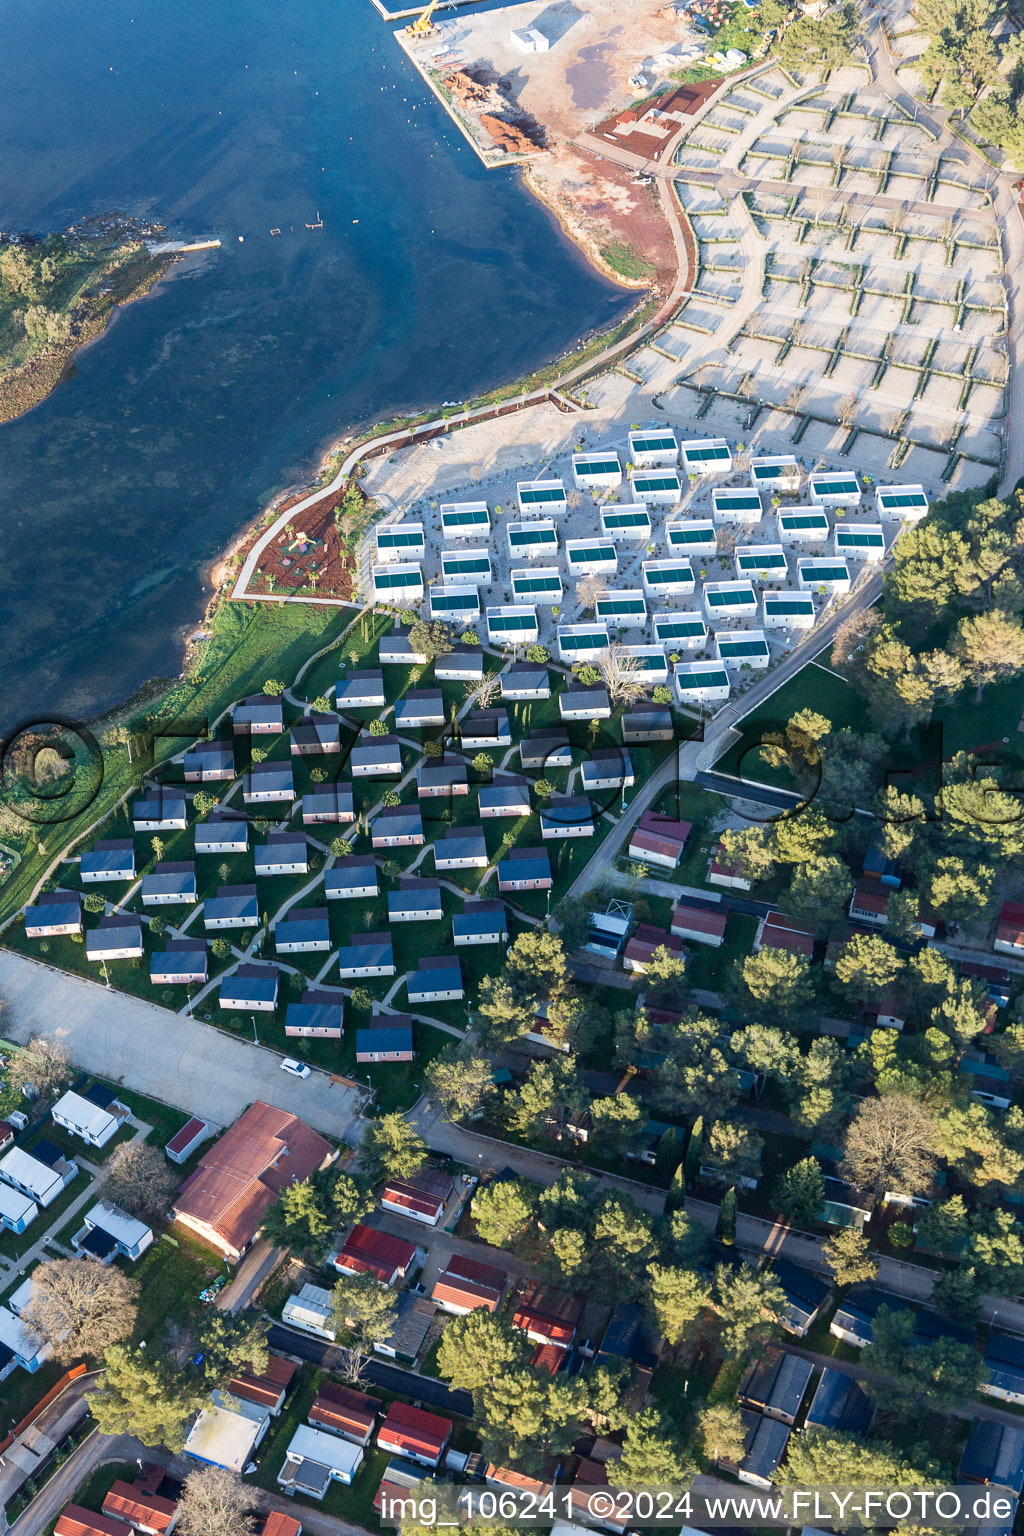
[{"x": 255, "y": 1036}]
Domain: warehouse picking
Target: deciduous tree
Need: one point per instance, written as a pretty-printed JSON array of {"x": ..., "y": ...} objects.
[
  {"x": 215, "y": 1502},
  {"x": 80, "y": 1308}
]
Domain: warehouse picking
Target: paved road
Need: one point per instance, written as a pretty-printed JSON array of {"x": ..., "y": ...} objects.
[
  {"x": 379, "y": 1373},
  {"x": 167, "y": 1056},
  {"x": 97, "y": 1451},
  {"x": 481, "y": 1152}
]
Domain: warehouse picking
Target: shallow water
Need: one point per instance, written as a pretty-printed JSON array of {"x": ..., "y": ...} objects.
[{"x": 431, "y": 279}]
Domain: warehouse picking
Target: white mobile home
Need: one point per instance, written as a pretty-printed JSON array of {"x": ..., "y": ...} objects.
[
  {"x": 400, "y": 541},
  {"x": 651, "y": 664},
  {"x": 736, "y": 507},
  {"x": 667, "y": 579},
  {"x": 466, "y": 567},
  {"x": 729, "y": 600},
  {"x": 706, "y": 456},
  {"x": 399, "y": 583},
  {"x": 529, "y": 541},
  {"x": 692, "y": 538},
  {"x": 859, "y": 541},
  {"x": 596, "y": 471},
  {"x": 765, "y": 562},
  {"x": 590, "y": 557},
  {"x": 516, "y": 625},
  {"x": 781, "y": 474},
  {"x": 787, "y": 610},
  {"x": 680, "y": 631},
  {"x": 803, "y": 527},
  {"x": 543, "y": 498},
  {"x": 621, "y": 608},
  {"x": 905, "y": 502},
  {"x": 629, "y": 521},
  {"x": 832, "y": 575},
  {"x": 700, "y": 682},
  {"x": 656, "y": 487},
  {"x": 455, "y": 604},
  {"x": 538, "y": 584},
  {"x": 652, "y": 448},
  {"x": 743, "y": 648},
  {"x": 835, "y": 489},
  {"x": 577, "y": 642},
  {"x": 465, "y": 520}
]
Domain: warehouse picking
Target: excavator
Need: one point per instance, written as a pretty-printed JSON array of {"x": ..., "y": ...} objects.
[{"x": 423, "y": 25}]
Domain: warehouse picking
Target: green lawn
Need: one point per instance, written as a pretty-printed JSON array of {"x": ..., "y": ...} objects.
[
  {"x": 711, "y": 968},
  {"x": 13, "y": 1245},
  {"x": 813, "y": 687},
  {"x": 170, "y": 1280}
]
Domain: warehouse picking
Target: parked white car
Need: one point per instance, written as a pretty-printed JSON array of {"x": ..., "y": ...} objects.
[{"x": 296, "y": 1068}]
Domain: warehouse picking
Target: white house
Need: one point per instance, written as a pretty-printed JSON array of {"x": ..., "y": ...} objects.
[
  {"x": 667, "y": 579},
  {"x": 311, "y": 1309},
  {"x": 596, "y": 471},
  {"x": 514, "y": 625},
  {"x": 398, "y": 583},
  {"x": 859, "y": 541},
  {"x": 541, "y": 584},
  {"x": 621, "y": 608},
  {"x": 836, "y": 488},
  {"x": 17, "y": 1210},
  {"x": 695, "y": 537},
  {"x": 543, "y": 498},
  {"x": 833, "y": 575},
  {"x": 466, "y": 568},
  {"x": 591, "y": 557},
  {"x": 787, "y": 610},
  {"x": 96, "y": 1117},
  {"x": 651, "y": 664},
  {"x": 781, "y": 474},
  {"x": 578, "y": 641},
  {"x": 743, "y": 648},
  {"x": 631, "y": 521},
  {"x": 681, "y": 631},
  {"x": 706, "y": 456},
  {"x": 455, "y": 605},
  {"x": 906, "y": 503},
  {"x": 314, "y": 1459},
  {"x": 729, "y": 600},
  {"x": 400, "y": 541},
  {"x": 656, "y": 487},
  {"x": 532, "y": 541},
  {"x": 736, "y": 507},
  {"x": 227, "y": 1433},
  {"x": 27, "y": 1349},
  {"x": 35, "y": 1178},
  {"x": 465, "y": 520},
  {"x": 765, "y": 562},
  {"x": 108, "y": 1233},
  {"x": 803, "y": 526},
  {"x": 700, "y": 682},
  {"x": 652, "y": 448}
]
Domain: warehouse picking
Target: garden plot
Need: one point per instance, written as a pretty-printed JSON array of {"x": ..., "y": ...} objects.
[
  {"x": 772, "y": 85},
  {"x": 968, "y": 475},
  {"x": 650, "y": 368},
  {"x": 726, "y": 122},
  {"x": 981, "y": 441},
  {"x": 694, "y": 157},
  {"x": 696, "y": 198},
  {"x": 742, "y": 101}
]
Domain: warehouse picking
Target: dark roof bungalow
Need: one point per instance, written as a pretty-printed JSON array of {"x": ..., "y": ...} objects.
[
  {"x": 775, "y": 1385},
  {"x": 439, "y": 780},
  {"x": 461, "y": 848},
  {"x": 583, "y": 702},
  {"x": 525, "y": 680},
  {"x": 302, "y": 931},
  {"x": 317, "y": 1015},
  {"x": 234, "y": 906},
  {"x": 376, "y": 757},
  {"x": 371, "y": 956},
  {"x": 994, "y": 1455},
  {"x": 567, "y": 816},
  {"x": 162, "y": 811},
  {"x": 316, "y": 736},
  {"x": 209, "y": 762},
  {"x": 54, "y": 913},
  {"x": 397, "y": 826},
  {"x": 486, "y": 728},
  {"x": 510, "y": 796},
  {"x": 118, "y": 937},
  {"x": 1004, "y": 1367},
  {"x": 260, "y": 715},
  {"x": 183, "y": 961},
  {"x": 389, "y": 1038},
  {"x": 223, "y": 831},
  {"x": 267, "y": 783},
  {"x": 112, "y": 859},
  {"x": 548, "y": 747},
  {"x": 415, "y": 901},
  {"x": 328, "y": 803},
  {"x": 284, "y": 853},
  {"x": 525, "y": 869},
  {"x": 806, "y": 1295},
  {"x": 640, "y": 726},
  {"x": 351, "y": 876},
  {"x": 483, "y": 922},
  {"x": 764, "y": 1447},
  {"x": 170, "y": 884},
  {"x": 418, "y": 709},
  {"x": 701, "y": 925},
  {"x": 840, "y": 1402},
  {"x": 252, "y": 988},
  {"x": 463, "y": 665},
  {"x": 344, "y": 1411},
  {"x": 437, "y": 979},
  {"x": 659, "y": 840},
  {"x": 361, "y": 690}
]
